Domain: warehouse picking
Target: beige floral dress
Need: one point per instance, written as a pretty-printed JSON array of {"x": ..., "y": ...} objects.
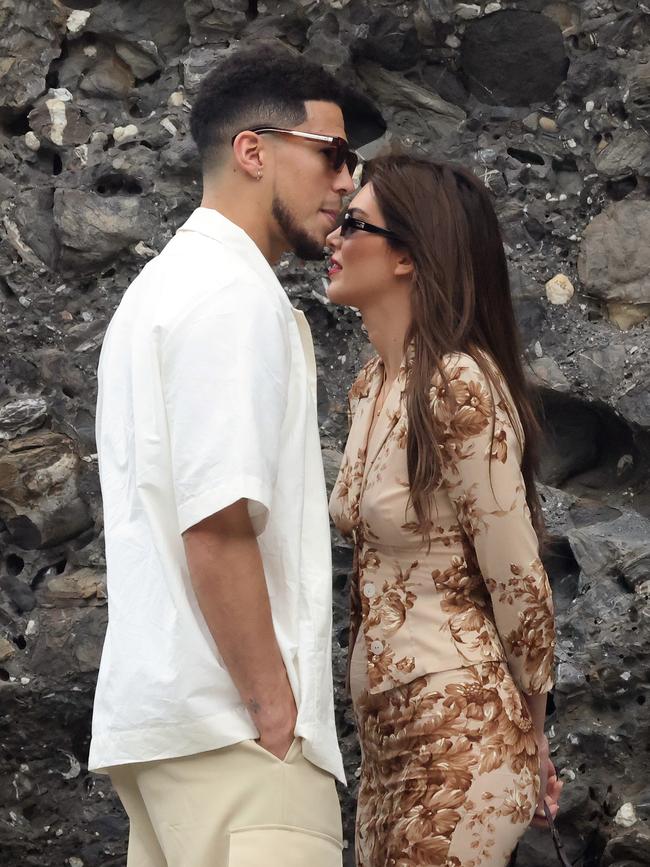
[{"x": 446, "y": 632}]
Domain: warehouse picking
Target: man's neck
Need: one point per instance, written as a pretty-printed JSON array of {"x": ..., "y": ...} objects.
[{"x": 246, "y": 215}]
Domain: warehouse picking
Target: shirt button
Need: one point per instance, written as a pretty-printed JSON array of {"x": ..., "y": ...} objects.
[
  {"x": 369, "y": 590},
  {"x": 377, "y": 647}
]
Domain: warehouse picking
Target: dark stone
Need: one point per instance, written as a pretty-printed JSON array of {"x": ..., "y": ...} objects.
[
  {"x": 588, "y": 72},
  {"x": 390, "y": 42},
  {"x": 19, "y": 593},
  {"x": 572, "y": 440},
  {"x": 631, "y": 848},
  {"x": 513, "y": 57}
]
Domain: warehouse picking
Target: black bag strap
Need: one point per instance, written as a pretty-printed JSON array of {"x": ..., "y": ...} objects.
[{"x": 557, "y": 841}]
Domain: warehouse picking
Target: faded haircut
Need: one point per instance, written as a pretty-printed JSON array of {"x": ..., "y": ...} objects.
[{"x": 252, "y": 87}]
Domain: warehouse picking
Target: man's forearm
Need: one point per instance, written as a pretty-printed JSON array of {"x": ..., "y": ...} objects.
[{"x": 228, "y": 578}]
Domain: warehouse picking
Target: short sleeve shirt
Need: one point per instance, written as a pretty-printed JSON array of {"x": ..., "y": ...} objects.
[{"x": 207, "y": 396}]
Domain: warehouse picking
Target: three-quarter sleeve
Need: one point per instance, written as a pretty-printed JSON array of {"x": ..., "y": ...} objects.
[{"x": 481, "y": 472}]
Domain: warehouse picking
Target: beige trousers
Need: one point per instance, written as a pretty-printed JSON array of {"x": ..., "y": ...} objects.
[{"x": 239, "y": 806}]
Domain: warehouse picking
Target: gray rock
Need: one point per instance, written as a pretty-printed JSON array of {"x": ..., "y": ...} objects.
[
  {"x": 611, "y": 547},
  {"x": 141, "y": 22},
  {"x": 110, "y": 77},
  {"x": 513, "y": 57},
  {"x": 638, "y": 95},
  {"x": 59, "y": 121},
  {"x": 440, "y": 119},
  {"x": 216, "y": 21},
  {"x": 21, "y": 415},
  {"x": 30, "y": 225},
  {"x": 198, "y": 62},
  {"x": 547, "y": 372},
  {"x": 69, "y": 639},
  {"x": 39, "y": 500},
  {"x": 628, "y": 153},
  {"x": 142, "y": 57},
  {"x": 30, "y": 39},
  {"x": 603, "y": 369},
  {"x": 614, "y": 260},
  {"x": 92, "y": 229},
  {"x": 635, "y": 404}
]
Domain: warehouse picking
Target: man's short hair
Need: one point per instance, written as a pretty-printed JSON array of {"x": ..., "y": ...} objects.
[{"x": 256, "y": 86}]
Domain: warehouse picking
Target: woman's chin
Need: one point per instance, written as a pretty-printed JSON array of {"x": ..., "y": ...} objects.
[{"x": 336, "y": 291}]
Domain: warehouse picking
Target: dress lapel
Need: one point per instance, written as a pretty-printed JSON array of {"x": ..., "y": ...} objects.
[
  {"x": 362, "y": 404},
  {"x": 390, "y": 414}
]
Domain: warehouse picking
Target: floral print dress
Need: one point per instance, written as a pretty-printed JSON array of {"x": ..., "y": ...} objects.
[{"x": 450, "y": 623}]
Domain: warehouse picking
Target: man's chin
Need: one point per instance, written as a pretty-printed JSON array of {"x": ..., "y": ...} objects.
[{"x": 309, "y": 248}]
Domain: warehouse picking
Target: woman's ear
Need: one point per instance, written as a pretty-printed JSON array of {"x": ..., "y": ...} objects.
[{"x": 404, "y": 266}]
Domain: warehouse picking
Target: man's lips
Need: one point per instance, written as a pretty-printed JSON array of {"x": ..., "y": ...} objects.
[{"x": 332, "y": 215}]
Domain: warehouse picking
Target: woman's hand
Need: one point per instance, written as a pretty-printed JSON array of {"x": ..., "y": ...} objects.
[{"x": 550, "y": 786}]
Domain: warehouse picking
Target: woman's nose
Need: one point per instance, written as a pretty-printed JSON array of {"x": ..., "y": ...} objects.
[{"x": 333, "y": 240}]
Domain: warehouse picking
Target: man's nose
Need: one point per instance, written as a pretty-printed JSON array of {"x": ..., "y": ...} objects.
[{"x": 344, "y": 181}]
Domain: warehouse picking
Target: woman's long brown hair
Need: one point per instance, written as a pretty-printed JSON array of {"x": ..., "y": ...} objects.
[{"x": 461, "y": 303}]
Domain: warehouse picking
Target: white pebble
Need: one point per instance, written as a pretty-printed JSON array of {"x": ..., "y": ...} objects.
[
  {"x": 125, "y": 133},
  {"x": 77, "y": 20},
  {"x": 626, "y": 817},
  {"x": 176, "y": 99},
  {"x": 559, "y": 289},
  {"x": 32, "y": 141}
]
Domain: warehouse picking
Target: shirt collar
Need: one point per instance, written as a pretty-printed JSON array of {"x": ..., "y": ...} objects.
[{"x": 213, "y": 224}]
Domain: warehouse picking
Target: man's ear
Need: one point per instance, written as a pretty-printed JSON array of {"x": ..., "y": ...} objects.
[{"x": 249, "y": 153}]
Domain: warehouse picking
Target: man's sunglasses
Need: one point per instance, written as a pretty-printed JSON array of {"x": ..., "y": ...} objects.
[
  {"x": 350, "y": 223},
  {"x": 338, "y": 154}
]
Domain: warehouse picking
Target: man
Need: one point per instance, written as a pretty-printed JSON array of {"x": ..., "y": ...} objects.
[{"x": 214, "y": 710}]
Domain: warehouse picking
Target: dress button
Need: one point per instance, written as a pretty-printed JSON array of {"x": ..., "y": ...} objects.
[
  {"x": 369, "y": 590},
  {"x": 377, "y": 647}
]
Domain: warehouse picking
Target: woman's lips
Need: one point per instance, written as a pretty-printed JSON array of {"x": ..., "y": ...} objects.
[{"x": 333, "y": 269}]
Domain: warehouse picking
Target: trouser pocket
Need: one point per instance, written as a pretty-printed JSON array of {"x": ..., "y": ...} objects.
[
  {"x": 293, "y": 750},
  {"x": 274, "y": 846}
]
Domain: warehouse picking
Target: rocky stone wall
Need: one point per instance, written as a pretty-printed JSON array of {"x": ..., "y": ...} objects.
[{"x": 549, "y": 103}]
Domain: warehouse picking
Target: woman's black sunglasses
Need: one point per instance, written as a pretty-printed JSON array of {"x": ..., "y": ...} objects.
[
  {"x": 350, "y": 223},
  {"x": 339, "y": 154}
]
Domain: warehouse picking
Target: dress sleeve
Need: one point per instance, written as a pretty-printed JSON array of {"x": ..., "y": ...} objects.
[
  {"x": 481, "y": 471},
  {"x": 225, "y": 372}
]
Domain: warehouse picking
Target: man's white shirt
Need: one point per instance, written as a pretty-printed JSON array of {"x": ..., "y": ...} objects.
[{"x": 207, "y": 395}]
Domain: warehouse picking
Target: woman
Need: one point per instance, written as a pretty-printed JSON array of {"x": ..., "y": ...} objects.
[{"x": 452, "y": 631}]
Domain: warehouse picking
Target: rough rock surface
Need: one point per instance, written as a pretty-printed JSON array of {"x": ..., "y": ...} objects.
[{"x": 549, "y": 103}]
